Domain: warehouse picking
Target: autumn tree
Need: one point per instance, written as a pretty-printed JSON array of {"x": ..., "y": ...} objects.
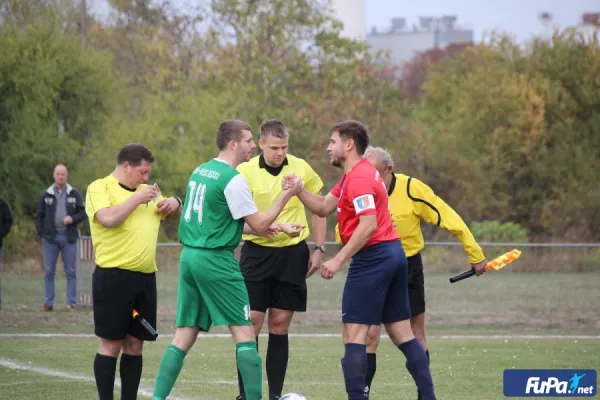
[{"x": 516, "y": 132}]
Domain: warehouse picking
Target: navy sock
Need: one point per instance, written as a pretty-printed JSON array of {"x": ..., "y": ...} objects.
[
  {"x": 354, "y": 366},
  {"x": 418, "y": 366},
  {"x": 419, "y": 397},
  {"x": 371, "y": 368}
]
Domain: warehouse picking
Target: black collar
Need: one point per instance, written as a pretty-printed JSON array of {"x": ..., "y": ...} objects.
[
  {"x": 392, "y": 185},
  {"x": 127, "y": 188},
  {"x": 271, "y": 170}
]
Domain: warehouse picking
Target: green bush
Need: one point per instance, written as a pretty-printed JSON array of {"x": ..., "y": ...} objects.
[
  {"x": 496, "y": 231},
  {"x": 22, "y": 241}
]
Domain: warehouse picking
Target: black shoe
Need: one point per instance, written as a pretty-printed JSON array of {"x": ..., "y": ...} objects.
[{"x": 239, "y": 398}]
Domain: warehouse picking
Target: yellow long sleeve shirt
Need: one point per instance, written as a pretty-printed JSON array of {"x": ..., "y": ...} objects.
[{"x": 412, "y": 201}]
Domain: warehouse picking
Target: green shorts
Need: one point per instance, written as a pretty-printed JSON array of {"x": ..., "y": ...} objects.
[{"x": 211, "y": 291}]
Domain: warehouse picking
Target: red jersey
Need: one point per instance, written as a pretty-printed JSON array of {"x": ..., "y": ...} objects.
[{"x": 362, "y": 192}]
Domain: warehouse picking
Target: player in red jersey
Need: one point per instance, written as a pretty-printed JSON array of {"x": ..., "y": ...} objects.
[{"x": 376, "y": 288}]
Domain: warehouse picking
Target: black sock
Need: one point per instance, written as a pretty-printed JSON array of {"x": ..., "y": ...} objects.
[
  {"x": 242, "y": 395},
  {"x": 354, "y": 366},
  {"x": 418, "y": 366},
  {"x": 131, "y": 373},
  {"x": 371, "y": 368},
  {"x": 104, "y": 371},
  {"x": 276, "y": 363}
]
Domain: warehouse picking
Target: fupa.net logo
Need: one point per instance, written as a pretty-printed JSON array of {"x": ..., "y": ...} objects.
[{"x": 550, "y": 383}]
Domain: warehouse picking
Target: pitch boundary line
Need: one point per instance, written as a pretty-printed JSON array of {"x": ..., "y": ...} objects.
[
  {"x": 320, "y": 335},
  {"x": 15, "y": 365},
  {"x": 144, "y": 392}
]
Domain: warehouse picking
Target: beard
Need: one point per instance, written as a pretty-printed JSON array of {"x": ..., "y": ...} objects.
[{"x": 337, "y": 161}]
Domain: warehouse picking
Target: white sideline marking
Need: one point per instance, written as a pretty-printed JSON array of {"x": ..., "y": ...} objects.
[
  {"x": 67, "y": 377},
  {"x": 317, "y": 335},
  {"x": 7, "y": 363}
]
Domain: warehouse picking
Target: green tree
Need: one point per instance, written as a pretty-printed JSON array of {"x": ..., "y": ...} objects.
[
  {"x": 54, "y": 97},
  {"x": 515, "y": 132}
]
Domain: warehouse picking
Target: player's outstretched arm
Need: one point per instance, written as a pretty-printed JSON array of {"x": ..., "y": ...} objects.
[
  {"x": 319, "y": 205},
  {"x": 261, "y": 221}
]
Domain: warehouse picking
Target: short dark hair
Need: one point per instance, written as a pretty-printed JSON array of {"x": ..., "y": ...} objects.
[
  {"x": 231, "y": 130},
  {"x": 273, "y": 127},
  {"x": 354, "y": 130},
  {"x": 134, "y": 153}
]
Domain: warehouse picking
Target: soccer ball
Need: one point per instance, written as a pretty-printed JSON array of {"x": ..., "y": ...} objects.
[{"x": 292, "y": 396}]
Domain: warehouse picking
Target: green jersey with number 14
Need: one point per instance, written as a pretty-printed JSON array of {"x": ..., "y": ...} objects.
[{"x": 217, "y": 200}]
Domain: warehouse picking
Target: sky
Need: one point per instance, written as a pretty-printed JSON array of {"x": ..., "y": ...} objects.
[{"x": 519, "y": 17}]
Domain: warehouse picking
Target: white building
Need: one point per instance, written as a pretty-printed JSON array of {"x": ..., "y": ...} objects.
[
  {"x": 353, "y": 14},
  {"x": 403, "y": 41}
]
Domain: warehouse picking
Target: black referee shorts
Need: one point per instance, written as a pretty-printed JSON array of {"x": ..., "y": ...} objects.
[
  {"x": 116, "y": 292},
  {"x": 275, "y": 276},
  {"x": 416, "y": 285}
]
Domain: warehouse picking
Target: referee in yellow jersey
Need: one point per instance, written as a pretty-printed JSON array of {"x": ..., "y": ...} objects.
[
  {"x": 125, "y": 215},
  {"x": 275, "y": 269},
  {"x": 410, "y": 202}
]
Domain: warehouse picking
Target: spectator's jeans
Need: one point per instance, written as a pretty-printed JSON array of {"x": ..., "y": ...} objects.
[{"x": 69, "y": 252}]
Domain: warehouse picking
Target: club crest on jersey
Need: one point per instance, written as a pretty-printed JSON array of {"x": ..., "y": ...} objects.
[{"x": 364, "y": 202}]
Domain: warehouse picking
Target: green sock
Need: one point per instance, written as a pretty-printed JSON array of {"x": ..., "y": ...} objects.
[
  {"x": 170, "y": 366},
  {"x": 250, "y": 365}
]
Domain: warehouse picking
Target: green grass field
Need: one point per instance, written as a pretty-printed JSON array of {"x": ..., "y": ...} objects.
[
  {"x": 59, "y": 368},
  {"x": 477, "y": 328}
]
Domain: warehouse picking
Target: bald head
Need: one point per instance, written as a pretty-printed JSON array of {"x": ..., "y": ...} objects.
[
  {"x": 60, "y": 175},
  {"x": 379, "y": 157},
  {"x": 383, "y": 163}
]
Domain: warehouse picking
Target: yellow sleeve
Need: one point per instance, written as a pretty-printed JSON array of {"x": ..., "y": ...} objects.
[
  {"x": 312, "y": 181},
  {"x": 96, "y": 198},
  {"x": 338, "y": 238},
  {"x": 434, "y": 210}
]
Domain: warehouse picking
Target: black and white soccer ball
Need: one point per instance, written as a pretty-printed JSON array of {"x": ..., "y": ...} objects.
[{"x": 292, "y": 396}]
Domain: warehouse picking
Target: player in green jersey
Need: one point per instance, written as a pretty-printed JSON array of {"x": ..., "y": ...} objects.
[{"x": 212, "y": 291}]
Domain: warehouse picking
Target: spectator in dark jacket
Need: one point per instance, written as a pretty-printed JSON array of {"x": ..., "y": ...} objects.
[
  {"x": 5, "y": 225},
  {"x": 58, "y": 212}
]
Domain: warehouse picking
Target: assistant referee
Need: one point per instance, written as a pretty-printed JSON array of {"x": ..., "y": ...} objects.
[
  {"x": 410, "y": 202},
  {"x": 275, "y": 269},
  {"x": 124, "y": 222}
]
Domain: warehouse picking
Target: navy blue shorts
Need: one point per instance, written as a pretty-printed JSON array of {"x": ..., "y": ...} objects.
[{"x": 376, "y": 289}]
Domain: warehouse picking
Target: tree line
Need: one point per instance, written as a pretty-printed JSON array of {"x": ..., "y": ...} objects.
[{"x": 501, "y": 131}]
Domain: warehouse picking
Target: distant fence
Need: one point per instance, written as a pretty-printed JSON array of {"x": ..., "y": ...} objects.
[{"x": 446, "y": 257}]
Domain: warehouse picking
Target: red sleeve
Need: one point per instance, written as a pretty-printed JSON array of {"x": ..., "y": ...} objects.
[
  {"x": 361, "y": 192},
  {"x": 338, "y": 188}
]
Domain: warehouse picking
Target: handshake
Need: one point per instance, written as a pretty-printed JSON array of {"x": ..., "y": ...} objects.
[{"x": 292, "y": 184}]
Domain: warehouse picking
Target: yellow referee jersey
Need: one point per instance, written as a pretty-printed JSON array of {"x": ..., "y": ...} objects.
[
  {"x": 410, "y": 201},
  {"x": 265, "y": 185},
  {"x": 130, "y": 245}
]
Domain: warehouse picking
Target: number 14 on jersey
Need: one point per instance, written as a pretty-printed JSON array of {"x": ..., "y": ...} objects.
[{"x": 197, "y": 193}]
